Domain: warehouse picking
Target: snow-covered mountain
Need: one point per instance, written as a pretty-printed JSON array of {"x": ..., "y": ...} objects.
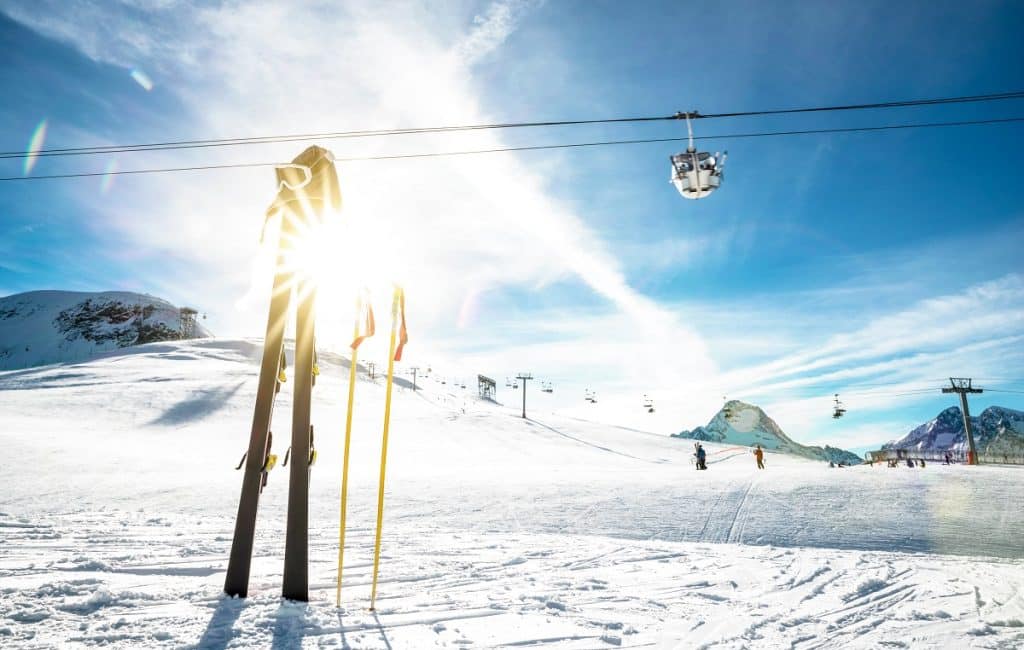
[
  {"x": 997, "y": 430},
  {"x": 739, "y": 423},
  {"x": 41, "y": 327}
]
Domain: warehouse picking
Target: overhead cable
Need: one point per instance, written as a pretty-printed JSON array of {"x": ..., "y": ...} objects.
[
  {"x": 366, "y": 133},
  {"x": 438, "y": 154}
]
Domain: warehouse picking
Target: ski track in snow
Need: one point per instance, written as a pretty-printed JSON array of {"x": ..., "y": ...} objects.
[{"x": 117, "y": 516}]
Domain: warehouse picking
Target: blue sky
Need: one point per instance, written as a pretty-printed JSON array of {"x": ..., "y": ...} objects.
[{"x": 826, "y": 263}]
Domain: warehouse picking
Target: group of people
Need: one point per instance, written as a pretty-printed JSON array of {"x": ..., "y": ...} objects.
[
  {"x": 894, "y": 462},
  {"x": 702, "y": 456}
]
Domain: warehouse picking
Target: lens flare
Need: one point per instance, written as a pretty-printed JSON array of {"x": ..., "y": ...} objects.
[
  {"x": 469, "y": 309},
  {"x": 108, "y": 177},
  {"x": 142, "y": 79},
  {"x": 35, "y": 143}
]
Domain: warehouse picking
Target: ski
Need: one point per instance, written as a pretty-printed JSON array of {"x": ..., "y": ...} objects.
[
  {"x": 236, "y": 582},
  {"x": 306, "y": 189},
  {"x": 296, "y": 548}
]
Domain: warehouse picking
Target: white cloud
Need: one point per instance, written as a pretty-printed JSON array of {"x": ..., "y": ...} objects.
[
  {"x": 449, "y": 229},
  {"x": 492, "y": 28}
]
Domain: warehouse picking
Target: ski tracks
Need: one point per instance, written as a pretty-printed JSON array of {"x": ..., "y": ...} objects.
[{"x": 135, "y": 579}]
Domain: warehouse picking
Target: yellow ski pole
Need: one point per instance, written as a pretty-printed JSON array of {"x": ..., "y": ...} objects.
[
  {"x": 384, "y": 444},
  {"x": 348, "y": 440}
]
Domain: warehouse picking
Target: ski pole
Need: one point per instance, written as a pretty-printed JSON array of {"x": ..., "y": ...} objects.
[
  {"x": 348, "y": 440},
  {"x": 398, "y": 296}
]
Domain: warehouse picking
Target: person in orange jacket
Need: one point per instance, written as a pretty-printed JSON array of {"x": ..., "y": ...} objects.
[{"x": 759, "y": 455}]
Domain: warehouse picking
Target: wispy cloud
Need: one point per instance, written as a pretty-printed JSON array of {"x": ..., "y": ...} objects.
[
  {"x": 492, "y": 28},
  {"x": 449, "y": 229}
]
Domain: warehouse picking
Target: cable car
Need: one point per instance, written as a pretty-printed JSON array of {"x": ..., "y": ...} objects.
[
  {"x": 837, "y": 409},
  {"x": 696, "y": 174}
]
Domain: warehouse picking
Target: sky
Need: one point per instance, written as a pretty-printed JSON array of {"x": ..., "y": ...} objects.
[{"x": 872, "y": 265}]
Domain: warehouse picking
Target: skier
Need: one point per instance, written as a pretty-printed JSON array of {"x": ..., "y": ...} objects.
[
  {"x": 701, "y": 457},
  {"x": 759, "y": 455}
]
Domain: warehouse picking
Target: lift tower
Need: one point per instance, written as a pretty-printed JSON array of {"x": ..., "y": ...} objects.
[
  {"x": 524, "y": 377},
  {"x": 962, "y": 386}
]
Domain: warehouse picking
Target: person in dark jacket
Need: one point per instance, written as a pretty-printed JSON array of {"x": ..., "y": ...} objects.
[{"x": 701, "y": 457}]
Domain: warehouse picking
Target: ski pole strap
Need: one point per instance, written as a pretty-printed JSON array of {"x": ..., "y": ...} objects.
[{"x": 242, "y": 462}]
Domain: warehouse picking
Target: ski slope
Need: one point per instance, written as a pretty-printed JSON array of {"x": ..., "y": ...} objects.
[{"x": 120, "y": 493}]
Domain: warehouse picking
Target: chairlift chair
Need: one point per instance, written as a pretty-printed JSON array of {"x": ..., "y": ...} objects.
[
  {"x": 696, "y": 174},
  {"x": 837, "y": 409}
]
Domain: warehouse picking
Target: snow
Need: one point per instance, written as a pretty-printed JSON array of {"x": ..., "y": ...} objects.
[{"x": 120, "y": 494}]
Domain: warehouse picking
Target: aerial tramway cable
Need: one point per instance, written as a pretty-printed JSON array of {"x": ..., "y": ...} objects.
[
  {"x": 368, "y": 133},
  {"x": 438, "y": 154}
]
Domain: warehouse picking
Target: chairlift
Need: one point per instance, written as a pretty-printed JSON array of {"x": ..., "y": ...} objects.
[
  {"x": 588, "y": 395},
  {"x": 837, "y": 409},
  {"x": 696, "y": 174},
  {"x": 545, "y": 387},
  {"x": 648, "y": 404},
  {"x": 508, "y": 383}
]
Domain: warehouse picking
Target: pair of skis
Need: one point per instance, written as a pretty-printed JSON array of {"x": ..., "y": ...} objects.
[
  {"x": 307, "y": 188},
  {"x": 364, "y": 327}
]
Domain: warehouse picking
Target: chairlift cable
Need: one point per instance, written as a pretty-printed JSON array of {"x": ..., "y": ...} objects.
[
  {"x": 438, "y": 154},
  {"x": 366, "y": 133}
]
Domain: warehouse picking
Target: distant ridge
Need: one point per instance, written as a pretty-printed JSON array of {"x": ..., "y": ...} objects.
[
  {"x": 998, "y": 430},
  {"x": 748, "y": 425},
  {"x": 43, "y": 327}
]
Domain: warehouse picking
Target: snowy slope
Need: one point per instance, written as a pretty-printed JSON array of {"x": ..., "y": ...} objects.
[
  {"x": 997, "y": 430},
  {"x": 739, "y": 423},
  {"x": 120, "y": 494},
  {"x": 40, "y": 327}
]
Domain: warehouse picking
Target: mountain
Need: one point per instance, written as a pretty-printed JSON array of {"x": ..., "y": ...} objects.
[
  {"x": 739, "y": 423},
  {"x": 997, "y": 430},
  {"x": 42, "y": 327}
]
